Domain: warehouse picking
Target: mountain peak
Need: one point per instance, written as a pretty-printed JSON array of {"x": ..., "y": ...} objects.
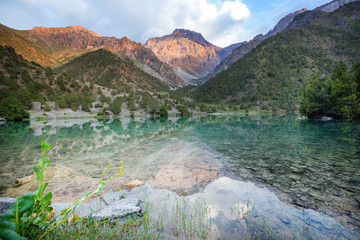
[
  {"x": 192, "y": 35},
  {"x": 190, "y": 55}
]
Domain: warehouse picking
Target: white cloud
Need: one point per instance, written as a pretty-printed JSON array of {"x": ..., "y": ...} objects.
[
  {"x": 237, "y": 10},
  {"x": 219, "y": 22}
]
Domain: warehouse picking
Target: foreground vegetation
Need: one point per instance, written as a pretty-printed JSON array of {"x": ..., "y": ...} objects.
[{"x": 32, "y": 216}]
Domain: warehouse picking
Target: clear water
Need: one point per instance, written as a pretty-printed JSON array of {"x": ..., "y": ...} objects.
[{"x": 311, "y": 164}]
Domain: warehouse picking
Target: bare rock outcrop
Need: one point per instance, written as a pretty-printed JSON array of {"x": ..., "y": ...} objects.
[{"x": 190, "y": 55}]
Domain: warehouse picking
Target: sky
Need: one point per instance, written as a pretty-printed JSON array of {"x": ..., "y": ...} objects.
[{"x": 221, "y": 22}]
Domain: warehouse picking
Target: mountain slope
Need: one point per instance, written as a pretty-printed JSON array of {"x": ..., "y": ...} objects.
[
  {"x": 190, "y": 55},
  {"x": 286, "y": 23},
  {"x": 271, "y": 75},
  {"x": 29, "y": 82},
  {"x": 246, "y": 47},
  {"x": 226, "y": 51},
  {"x": 55, "y": 46},
  {"x": 34, "y": 48},
  {"x": 106, "y": 69}
]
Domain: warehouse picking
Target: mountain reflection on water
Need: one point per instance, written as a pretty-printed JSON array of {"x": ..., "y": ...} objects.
[{"x": 311, "y": 164}]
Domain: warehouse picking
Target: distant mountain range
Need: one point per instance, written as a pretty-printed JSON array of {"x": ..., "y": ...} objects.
[
  {"x": 187, "y": 52},
  {"x": 55, "y": 46},
  {"x": 242, "y": 73}
]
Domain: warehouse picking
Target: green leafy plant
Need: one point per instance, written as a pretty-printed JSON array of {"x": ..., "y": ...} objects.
[
  {"x": 32, "y": 216},
  {"x": 163, "y": 111}
]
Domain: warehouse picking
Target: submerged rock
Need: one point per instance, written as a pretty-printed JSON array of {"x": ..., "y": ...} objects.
[
  {"x": 96, "y": 110},
  {"x": 2, "y": 120},
  {"x": 325, "y": 118},
  {"x": 64, "y": 183},
  {"x": 6, "y": 204},
  {"x": 109, "y": 113},
  {"x": 135, "y": 183}
]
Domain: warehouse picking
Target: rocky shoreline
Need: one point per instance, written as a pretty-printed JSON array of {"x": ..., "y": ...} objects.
[{"x": 229, "y": 203}]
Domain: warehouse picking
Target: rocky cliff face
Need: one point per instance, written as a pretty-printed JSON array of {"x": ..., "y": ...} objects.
[{"x": 190, "y": 55}]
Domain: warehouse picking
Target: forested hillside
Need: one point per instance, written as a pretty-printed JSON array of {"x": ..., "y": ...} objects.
[
  {"x": 273, "y": 74},
  {"x": 106, "y": 69},
  {"x": 29, "y": 82}
]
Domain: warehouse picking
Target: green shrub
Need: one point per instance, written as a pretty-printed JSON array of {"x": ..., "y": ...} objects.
[
  {"x": 163, "y": 111},
  {"x": 86, "y": 108},
  {"x": 47, "y": 108},
  {"x": 336, "y": 96},
  {"x": 49, "y": 72},
  {"x": 115, "y": 106},
  {"x": 12, "y": 110},
  {"x": 184, "y": 111},
  {"x": 203, "y": 108},
  {"x": 61, "y": 102}
]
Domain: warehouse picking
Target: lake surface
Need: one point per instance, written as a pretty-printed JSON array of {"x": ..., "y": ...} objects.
[{"x": 306, "y": 163}]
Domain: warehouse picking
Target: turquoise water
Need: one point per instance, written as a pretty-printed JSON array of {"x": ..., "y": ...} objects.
[{"x": 311, "y": 164}]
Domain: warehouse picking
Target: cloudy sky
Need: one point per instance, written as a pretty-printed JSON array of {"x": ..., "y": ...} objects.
[{"x": 222, "y": 22}]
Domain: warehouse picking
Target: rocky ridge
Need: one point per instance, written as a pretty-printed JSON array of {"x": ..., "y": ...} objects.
[{"x": 333, "y": 5}]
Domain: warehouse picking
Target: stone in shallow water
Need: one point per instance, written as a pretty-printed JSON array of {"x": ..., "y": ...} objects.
[
  {"x": 120, "y": 208},
  {"x": 6, "y": 204},
  {"x": 135, "y": 183},
  {"x": 325, "y": 118}
]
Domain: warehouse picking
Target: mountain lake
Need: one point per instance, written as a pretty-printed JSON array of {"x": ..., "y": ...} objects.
[{"x": 301, "y": 177}]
